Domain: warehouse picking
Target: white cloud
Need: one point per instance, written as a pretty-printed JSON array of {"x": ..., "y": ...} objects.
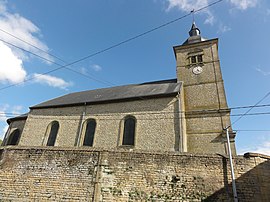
[
  {"x": 260, "y": 145},
  {"x": 11, "y": 68},
  {"x": 11, "y": 63},
  {"x": 210, "y": 19},
  {"x": 3, "y": 116},
  {"x": 7, "y": 111},
  {"x": 223, "y": 28},
  {"x": 17, "y": 109},
  {"x": 96, "y": 67},
  {"x": 244, "y": 4},
  {"x": 13, "y": 111},
  {"x": 187, "y": 5},
  {"x": 51, "y": 81},
  {"x": 262, "y": 72},
  {"x": 3, "y": 132},
  {"x": 23, "y": 29},
  {"x": 263, "y": 148},
  {"x": 3, "y": 108}
]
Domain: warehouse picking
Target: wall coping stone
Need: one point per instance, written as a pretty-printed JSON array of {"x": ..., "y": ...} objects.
[
  {"x": 125, "y": 150},
  {"x": 251, "y": 154}
]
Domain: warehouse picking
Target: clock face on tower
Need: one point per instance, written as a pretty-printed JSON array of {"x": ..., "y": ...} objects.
[{"x": 197, "y": 70}]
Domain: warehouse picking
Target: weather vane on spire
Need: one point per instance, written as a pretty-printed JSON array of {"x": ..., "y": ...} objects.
[{"x": 193, "y": 11}]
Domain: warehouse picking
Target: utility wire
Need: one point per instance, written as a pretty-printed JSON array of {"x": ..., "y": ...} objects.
[
  {"x": 46, "y": 52},
  {"x": 144, "y": 114},
  {"x": 251, "y": 130},
  {"x": 250, "y": 106},
  {"x": 247, "y": 112},
  {"x": 115, "y": 45},
  {"x": 167, "y": 112},
  {"x": 50, "y": 61}
]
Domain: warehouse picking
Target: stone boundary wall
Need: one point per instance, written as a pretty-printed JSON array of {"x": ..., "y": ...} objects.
[{"x": 65, "y": 174}]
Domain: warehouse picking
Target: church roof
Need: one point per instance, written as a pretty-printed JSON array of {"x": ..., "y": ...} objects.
[
  {"x": 21, "y": 117},
  {"x": 114, "y": 94}
]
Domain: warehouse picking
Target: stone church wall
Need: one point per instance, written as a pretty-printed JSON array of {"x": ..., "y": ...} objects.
[
  {"x": 157, "y": 124},
  {"x": 62, "y": 174},
  {"x": 18, "y": 124}
]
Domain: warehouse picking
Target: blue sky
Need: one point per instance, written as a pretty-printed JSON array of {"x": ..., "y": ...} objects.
[{"x": 74, "y": 29}]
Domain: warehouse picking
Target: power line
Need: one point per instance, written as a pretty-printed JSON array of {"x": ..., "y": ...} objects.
[
  {"x": 253, "y": 114},
  {"x": 115, "y": 45},
  {"x": 119, "y": 44},
  {"x": 252, "y": 130},
  {"x": 48, "y": 60},
  {"x": 37, "y": 55},
  {"x": 247, "y": 112},
  {"x": 167, "y": 112},
  {"x": 51, "y": 61},
  {"x": 32, "y": 45},
  {"x": 250, "y": 106},
  {"x": 142, "y": 114}
]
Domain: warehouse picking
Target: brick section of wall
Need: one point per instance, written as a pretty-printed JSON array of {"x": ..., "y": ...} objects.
[{"x": 62, "y": 174}]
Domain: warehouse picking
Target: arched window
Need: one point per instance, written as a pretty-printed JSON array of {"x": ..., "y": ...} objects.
[
  {"x": 14, "y": 137},
  {"x": 129, "y": 131},
  {"x": 53, "y": 128},
  {"x": 89, "y": 132}
]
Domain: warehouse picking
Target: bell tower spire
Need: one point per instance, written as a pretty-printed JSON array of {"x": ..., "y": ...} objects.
[
  {"x": 194, "y": 31},
  {"x": 194, "y": 35},
  {"x": 206, "y": 111}
]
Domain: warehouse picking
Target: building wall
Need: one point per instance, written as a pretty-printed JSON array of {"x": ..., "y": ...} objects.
[
  {"x": 157, "y": 124},
  {"x": 157, "y": 128},
  {"x": 51, "y": 174}
]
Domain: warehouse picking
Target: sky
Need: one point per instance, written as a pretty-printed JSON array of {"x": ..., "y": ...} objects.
[{"x": 61, "y": 32}]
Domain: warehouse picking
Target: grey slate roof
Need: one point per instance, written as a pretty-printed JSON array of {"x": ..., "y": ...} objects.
[
  {"x": 115, "y": 94},
  {"x": 21, "y": 117}
]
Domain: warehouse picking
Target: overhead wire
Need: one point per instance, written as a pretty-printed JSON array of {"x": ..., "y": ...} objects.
[
  {"x": 153, "y": 113},
  {"x": 48, "y": 72},
  {"x": 241, "y": 130},
  {"x": 167, "y": 112},
  {"x": 36, "y": 47},
  {"x": 113, "y": 46},
  {"x": 65, "y": 66},
  {"x": 247, "y": 112},
  {"x": 48, "y": 60}
]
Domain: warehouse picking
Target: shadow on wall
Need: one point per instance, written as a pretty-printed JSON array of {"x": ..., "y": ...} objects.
[{"x": 253, "y": 185}]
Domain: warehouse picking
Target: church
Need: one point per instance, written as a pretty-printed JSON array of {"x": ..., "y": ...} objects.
[
  {"x": 185, "y": 114},
  {"x": 153, "y": 141}
]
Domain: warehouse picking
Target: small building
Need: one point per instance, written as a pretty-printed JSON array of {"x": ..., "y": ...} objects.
[{"x": 185, "y": 114}]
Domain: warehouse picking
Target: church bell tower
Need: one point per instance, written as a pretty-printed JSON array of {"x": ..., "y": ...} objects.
[{"x": 206, "y": 111}]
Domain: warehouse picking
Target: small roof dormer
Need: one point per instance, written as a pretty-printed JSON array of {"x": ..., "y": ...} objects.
[{"x": 194, "y": 35}]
